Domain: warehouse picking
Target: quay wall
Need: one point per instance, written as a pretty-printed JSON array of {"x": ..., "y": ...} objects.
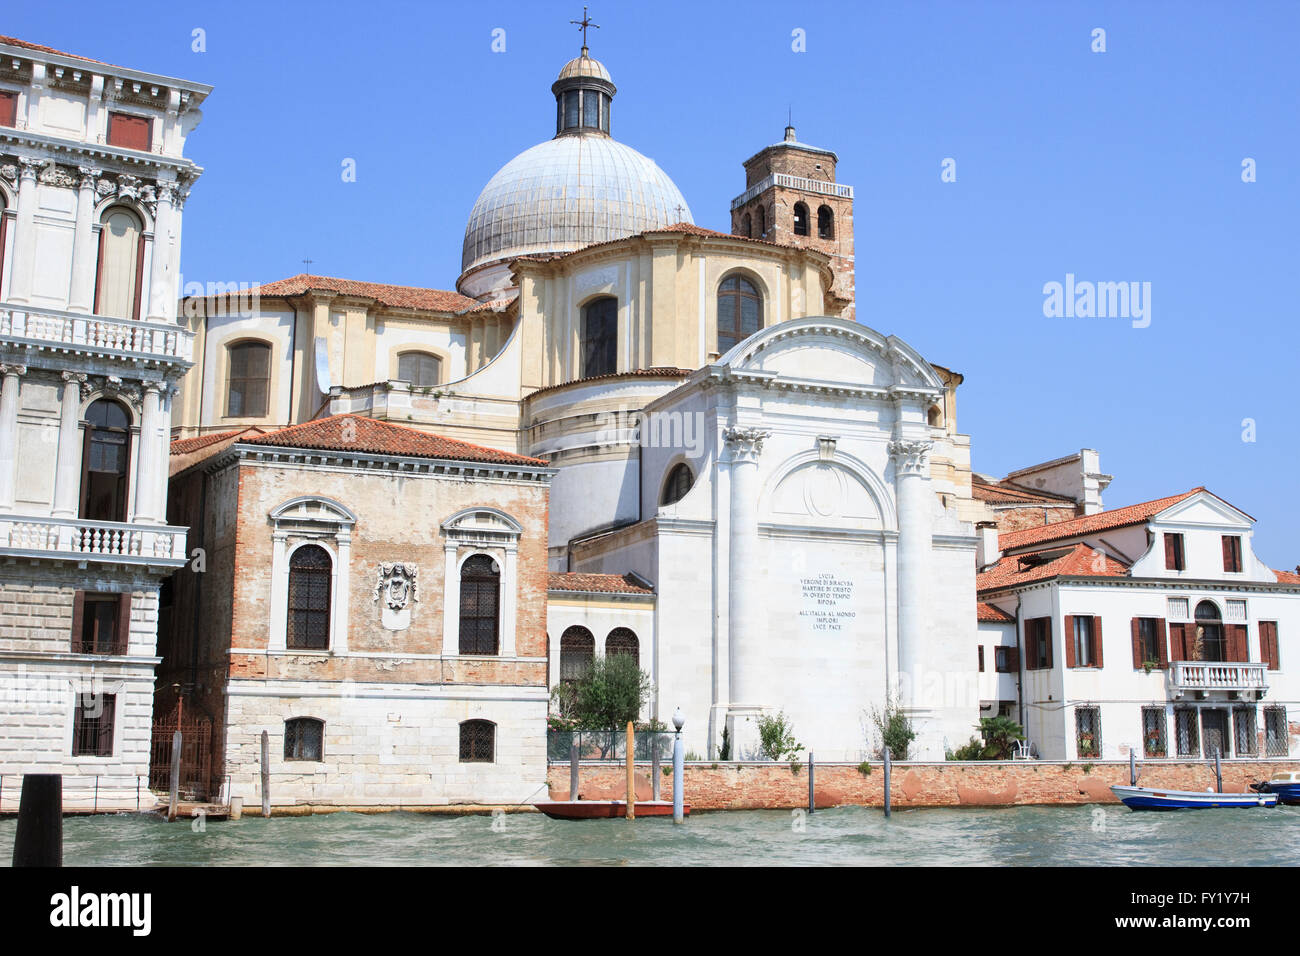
[{"x": 773, "y": 786}]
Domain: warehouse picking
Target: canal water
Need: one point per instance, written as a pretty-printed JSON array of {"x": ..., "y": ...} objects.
[{"x": 1033, "y": 836}]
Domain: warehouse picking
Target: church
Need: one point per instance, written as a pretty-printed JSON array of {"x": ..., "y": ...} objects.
[{"x": 765, "y": 500}]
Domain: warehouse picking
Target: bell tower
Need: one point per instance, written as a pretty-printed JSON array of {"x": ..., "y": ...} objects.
[{"x": 791, "y": 197}]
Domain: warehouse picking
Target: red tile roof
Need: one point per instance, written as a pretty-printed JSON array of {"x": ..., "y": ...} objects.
[
  {"x": 369, "y": 435},
  {"x": 598, "y": 583},
  {"x": 1005, "y": 492},
  {"x": 987, "y": 612},
  {"x": 395, "y": 296},
  {"x": 183, "y": 446},
  {"x": 1090, "y": 524},
  {"x": 1077, "y": 561},
  {"x": 656, "y": 372},
  {"x": 36, "y": 47},
  {"x": 1288, "y": 577}
]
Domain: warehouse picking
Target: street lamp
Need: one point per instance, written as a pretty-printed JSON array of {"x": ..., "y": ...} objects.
[{"x": 679, "y": 721}]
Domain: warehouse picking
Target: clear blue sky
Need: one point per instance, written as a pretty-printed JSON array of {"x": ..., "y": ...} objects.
[{"x": 1115, "y": 166}]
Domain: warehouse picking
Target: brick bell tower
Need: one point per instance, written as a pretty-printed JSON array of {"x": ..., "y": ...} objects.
[{"x": 791, "y": 197}]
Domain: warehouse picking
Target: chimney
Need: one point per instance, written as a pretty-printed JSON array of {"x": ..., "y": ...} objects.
[{"x": 986, "y": 544}]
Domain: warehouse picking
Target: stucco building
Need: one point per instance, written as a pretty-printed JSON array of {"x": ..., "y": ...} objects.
[{"x": 93, "y": 183}]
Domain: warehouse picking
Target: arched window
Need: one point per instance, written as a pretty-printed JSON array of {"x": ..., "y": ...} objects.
[
  {"x": 121, "y": 263},
  {"x": 747, "y": 226},
  {"x": 599, "y": 337},
  {"x": 825, "y": 223},
  {"x": 680, "y": 480},
  {"x": 304, "y": 739},
  {"x": 480, "y": 598},
  {"x": 310, "y": 569},
  {"x": 577, "y": 649},
  {"x": 478, "y": 739},
  {"x": 740, "y": 312},
  {"x": 623, "y": 640},
  {"x": 800, "y": 219},
  {"x": 105, "y": 461},
  {"x": 1208, "y": 644},
  {"x": 249, "y": 380},
  {"x": 762, "y": 223},
  {"x": 421, "y": 369}
]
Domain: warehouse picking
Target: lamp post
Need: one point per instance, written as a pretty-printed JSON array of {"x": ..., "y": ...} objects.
[{"x": 679, "y": 721}]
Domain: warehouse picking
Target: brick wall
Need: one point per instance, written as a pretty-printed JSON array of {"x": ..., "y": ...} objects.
[{"x": 756, "y": 786}]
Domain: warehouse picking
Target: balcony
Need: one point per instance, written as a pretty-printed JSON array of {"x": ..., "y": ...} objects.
[
  {"x": 818, "y": 186},
  {"x": 104, "y": 542},
  {"x": 161, "y": 342},
  {"x": 1204, "y": 676}
]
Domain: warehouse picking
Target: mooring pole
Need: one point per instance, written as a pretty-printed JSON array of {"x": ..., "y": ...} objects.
[
  {"x": 654, "y": 768},
  {"x": 1132, "y": 768},
  {"x": 174, "y": 788},
  {"x": 679, "y": 776},
  {"x": 1218, "y": 771},
  {"x": 573, "y": 771},
  {"x": 266, "y": 775},
  {"x": 631, "y": 774},
  {"x": 39, "y": 837},
  {"x": 887, "y": 795},
  {"x": 812, "y": 769}
]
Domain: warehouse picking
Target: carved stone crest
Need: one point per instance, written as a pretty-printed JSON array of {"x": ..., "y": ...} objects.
[{"x": 396, "y": 588}]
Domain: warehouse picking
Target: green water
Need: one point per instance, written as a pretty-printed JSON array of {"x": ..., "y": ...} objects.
[{"x": 1041, "y": 836}]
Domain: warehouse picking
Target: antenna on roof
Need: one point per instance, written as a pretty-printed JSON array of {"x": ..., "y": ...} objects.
[
  {"x": 307, "y": 263},
  {"x": 789, "y": 124}
]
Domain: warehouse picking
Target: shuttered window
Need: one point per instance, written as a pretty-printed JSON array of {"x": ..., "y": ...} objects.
[
  {"x": 1268, "y": 649},
  {"x": 1231, "y": 552},
  {"x": 1006, "y": 660},
  {"x": 129, "y": 132},
  {"x": 1038, "y": 643},
  {"x": 101, "y": 623},
  {"x": 981, "y": 650},
  {"x": 1082, "y": 641},
  {"x": 8, "y": 109},
  {"x": 1174, "y": 552},
  {"x": 1149, "y": 646}
]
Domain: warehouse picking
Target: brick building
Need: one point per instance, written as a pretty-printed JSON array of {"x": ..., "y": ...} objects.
[{"x": 373, "y": 597}]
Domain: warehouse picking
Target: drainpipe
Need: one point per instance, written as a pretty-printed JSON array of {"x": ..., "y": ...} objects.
[{"x": 1020, "y": 667}]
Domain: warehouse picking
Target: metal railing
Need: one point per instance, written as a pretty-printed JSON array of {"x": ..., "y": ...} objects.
[
  {"x": 97, "y": 333},
  {"x": 112, "y": 540},
  {"x": 1206, "y": 675},
  {"x": 608, "y": 744},
  {"x": 821, "y": 187}
]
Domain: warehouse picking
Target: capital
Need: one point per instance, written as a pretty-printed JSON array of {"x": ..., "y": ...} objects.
[
  {"x": 7, "y": 370},
  {"x": 910, "y": 457},
  {"x": 745, "y": 443}
]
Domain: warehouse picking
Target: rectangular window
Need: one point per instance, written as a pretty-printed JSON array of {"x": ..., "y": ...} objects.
[
  {"x": 1038, "y": 643},
  {"x": 1243, "y": 731},
  {"x": 1277, "y": 742},
  {"x": 1087, "y": 724},
  {"x": 1174, "y": 552},
  {"x": 8, "y": 109},
  {"x": 981, "y": 658},
  {"x": 590, "y": 109},
  {"x": 1153, "y": 732},
  {"x": 1177, "y": 609},
  {"x": 1231, "y": 552},
  {"x": 101, "y": 623},
  {"x": 1083, "y": 634},
  {"x": 1005, "y": 660},
  {"x": 304, "y": 739},
  {"x": 1148, "y": 643},
  {"x": 1185, "y": 728},
  {"x": 129, "y": 132},
  {"x": 92, "y": 725},
  {"x": 1268, "y": 651},
  {"x": 1234, "y": 610}
]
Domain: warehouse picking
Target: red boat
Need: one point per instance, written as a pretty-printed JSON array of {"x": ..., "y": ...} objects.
[{"x": 602, "y": 809}]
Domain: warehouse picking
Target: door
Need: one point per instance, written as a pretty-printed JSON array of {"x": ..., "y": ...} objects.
[{"x": 1214, "y": 732}]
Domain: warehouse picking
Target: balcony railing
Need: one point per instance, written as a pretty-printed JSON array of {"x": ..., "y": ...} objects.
[
  {"x": 97, "y": 333},
  {"x": 818, "y": 186},
  {"x": 1207, "y": 675},
  {"x": 110, "y": 541}
]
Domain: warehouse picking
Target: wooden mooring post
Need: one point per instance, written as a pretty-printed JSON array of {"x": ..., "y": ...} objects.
[
  {"x": 631, "y": 773},
  {"x": 887, "y": 794},
  {"x": 655, "y": 792},
  {"x": 38, "y": 840},
  {"x": 266, "y": 774},
  {"x": 174, "y": 787},
  {"x": 1218, "y": 773},
  {"x": 573, "y": 772},
  {"x": 812, "y": 792}
]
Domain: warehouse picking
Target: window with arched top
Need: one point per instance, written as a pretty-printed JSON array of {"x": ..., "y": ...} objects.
[
  {"x": 679, "y": 482},
  {"x": 248, "y": 380},
  {"x": 577, "y": 650},
  {"x": 623, "y": 640},
  {"x": 120, "y": 272},
  {"x": 762, "y": 223},
  {"x": 740, "y": 311},
  {"x": 1208, "y": 643},
  {"x": 800, "y": 219},
  {"x": 105, "y": 461},
  {"x": 747, "y": 226},
  {"x": 421, "y": 369},
  {"x": 480, "y": 602},
  {"x": 825, "y": 223},
  {"x": 304, "y": 739},
  {"x": 310, "y": 571},
  {"x": 599, "y": 346},
  {"x": 478, "y": 739}
]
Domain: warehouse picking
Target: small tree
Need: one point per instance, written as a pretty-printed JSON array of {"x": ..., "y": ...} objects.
[
  {"x": 611, "y": 693},
  {"x": 893, "y": 729},
  {"x": 1000, "y": 735},
  {"x": 724, "y": 752},
  {"x": 776, "y": 737}
]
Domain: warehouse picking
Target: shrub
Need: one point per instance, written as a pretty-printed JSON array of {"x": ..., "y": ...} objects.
[
  {"x": 776, "y": 737},
  {"x": 893, "y": 729},
  {"x": 864, "y": 768},
  {"x": 724, "y": 752}
]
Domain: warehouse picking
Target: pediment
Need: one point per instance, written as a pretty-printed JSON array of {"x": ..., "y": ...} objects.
[
  {"x": 314, "y": 510},
  {"x": 482, "y": 521},
  {"x": 823, "y": 493},
  {"x": 1204, "y": 508}
]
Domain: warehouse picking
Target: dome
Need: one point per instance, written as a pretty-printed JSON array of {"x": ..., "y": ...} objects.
[
  {"x": 584, "y": 66},
  {"x": 577, "y": 189}
]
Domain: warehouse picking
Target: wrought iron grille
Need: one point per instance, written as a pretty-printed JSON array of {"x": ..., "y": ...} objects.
[
  {"x": 623, "y": 640},
  {"x": 608, "y": 744},
  {"x": 1277, "y": 742},
  {"x": 304, "y": 739},
  {"x": 480, "y": 588},
  {"x": 1154, "y": 743},
  {"x": 1189, "y": 738},
  {"x": 1244, "y": 735},
  {"x": 92, "y": 725},
  {"x": 1087, "y": 724},
  {"x": 309, "y": 599},
  {"x": 196, "y": 754},
  {"x": 477, "y": 741},
  {"x": 577, "y": 649}
]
